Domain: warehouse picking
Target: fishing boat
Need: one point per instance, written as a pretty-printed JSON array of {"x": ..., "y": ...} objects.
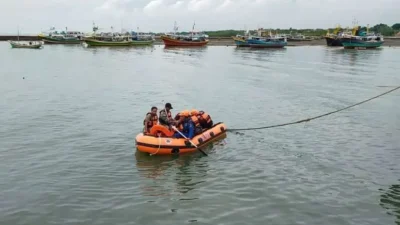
[
  {"x": 193, "y": 39},
  {"x": 140, "y": 36},
  {"x": 266, "y": 39},
  {"x": 21, "y": 44},
  {"x": 116, "y": 39},
  {"x": 333, "y": 39},
  {"x": 127, "y": 41},
  {"x": 156, "y": 145},
  {"x": 263, "y": 39},
  {"x": 30, "y": 44},
  {"x": 268, "y": 42},
  {"x": 240, "y": 41},
  {"x": 361, "y": 39},
  {"x": 63, "y": 37}
]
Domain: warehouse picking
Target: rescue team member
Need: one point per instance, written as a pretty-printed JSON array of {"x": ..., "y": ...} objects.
[
  {"x": 166, "y": 115},
  {"x": 187, "y": 125},
  {"x": 204, "y": 119},
  {"x": 150, "y": 120},
  {"x": 196, "y": 121}
]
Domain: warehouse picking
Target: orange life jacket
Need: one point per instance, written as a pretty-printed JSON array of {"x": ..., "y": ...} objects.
[
  {"x": 204, "y": 118},
  {"x": 153, "y": 120},
  {"x": 195, "y": 121}
]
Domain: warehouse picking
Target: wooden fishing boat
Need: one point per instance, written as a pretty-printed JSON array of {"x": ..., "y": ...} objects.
[
  {"x": 32, "y": 45},
  {"x": 95, "y": 42},
  {"x": 194, "y": 39},
  {"x": 169, "y": 145},
  {"x": 181, "y": 40},
  {"x": 117, "y": 39},
  {"x": 62, "y": 37}
]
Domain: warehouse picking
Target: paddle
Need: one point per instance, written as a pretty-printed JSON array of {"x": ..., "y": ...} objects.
[{"x": 173, "y": 127}]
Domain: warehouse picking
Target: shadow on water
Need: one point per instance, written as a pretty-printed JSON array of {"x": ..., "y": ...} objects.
[{"x": 390, "y": 200}]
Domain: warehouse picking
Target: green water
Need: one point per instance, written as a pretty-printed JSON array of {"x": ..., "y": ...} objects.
[{"x": 69, "y": 116}]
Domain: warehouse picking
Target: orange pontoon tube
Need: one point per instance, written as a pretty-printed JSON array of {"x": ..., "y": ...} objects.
[{"x": 159, "y": 145}]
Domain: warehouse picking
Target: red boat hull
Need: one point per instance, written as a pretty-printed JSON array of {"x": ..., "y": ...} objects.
[{"x": 173, "y": 42}]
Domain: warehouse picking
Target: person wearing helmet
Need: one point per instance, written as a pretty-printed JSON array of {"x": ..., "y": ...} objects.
[{"x": 187, "y": 125}]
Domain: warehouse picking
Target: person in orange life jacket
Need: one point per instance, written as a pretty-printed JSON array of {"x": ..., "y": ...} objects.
[
  {"x": 203, "y": 117},
  {"x": 196, "y": 121},
  {"x": 187, "y": 125},
  {"x": 150, "y": 120},
  {"x": 178, "y": 123},
  {"x": 166, "y": 115}
]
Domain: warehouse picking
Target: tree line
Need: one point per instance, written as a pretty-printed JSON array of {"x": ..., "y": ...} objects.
[{"x": 381, "y": 28}]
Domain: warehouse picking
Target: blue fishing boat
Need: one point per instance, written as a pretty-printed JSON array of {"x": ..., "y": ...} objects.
[
  {"x": 361, "y": 39},
  {"x": 267, "y": 42},
  {"x": 262, "y": 40}
]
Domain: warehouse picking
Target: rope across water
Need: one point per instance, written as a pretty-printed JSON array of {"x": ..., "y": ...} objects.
[{"x": 315, "y": 117}]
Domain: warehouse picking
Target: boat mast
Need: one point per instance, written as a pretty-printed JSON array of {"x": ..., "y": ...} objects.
[
  {"x": 194, "y": 23},
  {"x": 18, "y": 33}
]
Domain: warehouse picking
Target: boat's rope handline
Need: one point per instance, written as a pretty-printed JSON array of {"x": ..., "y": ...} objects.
[
  {"x": 159, "y": 145},
  {"x": 315, "y": 117}
]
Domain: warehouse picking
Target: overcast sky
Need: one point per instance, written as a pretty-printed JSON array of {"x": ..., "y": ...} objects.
[{"x": 32, "y": 16}]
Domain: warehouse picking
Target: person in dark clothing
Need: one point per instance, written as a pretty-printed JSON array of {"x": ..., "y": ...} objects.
[
  {"x": 187, "y": 126},
  {"x": 166, "y": 115}
]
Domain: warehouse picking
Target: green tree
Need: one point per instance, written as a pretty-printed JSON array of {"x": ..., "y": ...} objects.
[
  {"x": 396, "y": 26},
  {"x": 383, "y": 29}
]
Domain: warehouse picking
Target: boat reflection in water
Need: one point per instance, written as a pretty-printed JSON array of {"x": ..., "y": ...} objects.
[{"x": 173, "y": 175}]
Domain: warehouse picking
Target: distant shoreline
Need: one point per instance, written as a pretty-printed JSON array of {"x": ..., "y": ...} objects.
[{"x": 224, "y": 41}]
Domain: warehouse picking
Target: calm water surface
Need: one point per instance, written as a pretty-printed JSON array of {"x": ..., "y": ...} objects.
[{"x": 67, "y": 134}]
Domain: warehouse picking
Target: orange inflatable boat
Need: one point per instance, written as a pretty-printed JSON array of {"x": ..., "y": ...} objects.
[{"x": 156, "y": 145}]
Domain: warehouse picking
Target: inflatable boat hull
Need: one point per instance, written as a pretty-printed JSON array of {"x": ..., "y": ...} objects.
[{"x": 172, "y": 146}]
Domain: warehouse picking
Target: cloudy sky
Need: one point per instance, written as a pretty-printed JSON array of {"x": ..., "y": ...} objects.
[{"x": 32, "y": 16}]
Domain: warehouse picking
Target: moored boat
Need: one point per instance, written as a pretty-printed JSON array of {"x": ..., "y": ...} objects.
[
  {"x": 333, "y": 39},
  {"x": 361, "y": 39},
  {"x": 31, "y": 45},
  {"x": 272, "y": 42},
  {"x": 94, "y": 42},
  {"x": 169, "y": 145},
  {"x": 64, "y": 37},
  {"x": 194, "y": 39},
  {"x": 240, "y": 41},
  {"x": 262, "y": 40},
  {"x": 117, "y": 39},
  {"x": 181, "y": 40}
]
